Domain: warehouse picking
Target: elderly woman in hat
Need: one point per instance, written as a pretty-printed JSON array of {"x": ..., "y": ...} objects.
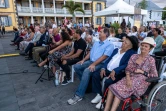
[{"x": 139, "y": 68}]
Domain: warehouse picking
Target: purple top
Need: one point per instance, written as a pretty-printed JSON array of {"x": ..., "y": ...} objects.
[{"x": 57, "y": 38}]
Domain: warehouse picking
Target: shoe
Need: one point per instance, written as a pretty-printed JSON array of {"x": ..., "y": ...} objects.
[
  {"x": 97, "y": 99},
  {"x": 23, "y": 53},
  {"x": 99, "y": 105},
  {"x": 74, "y": 100},
  {"x": 34, "y": 61},
  {"x": 66, "y": 81}
]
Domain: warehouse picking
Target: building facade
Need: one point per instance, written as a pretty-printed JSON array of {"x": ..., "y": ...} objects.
[
  {"x": 8, "y": 16},
  {"x": 98, "y": 5},
  {"x": 44, "y": 10}
]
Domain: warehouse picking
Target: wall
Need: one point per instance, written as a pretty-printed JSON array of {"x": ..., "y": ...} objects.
[
  {"x": 12, "y": 14},
  {"x": 94, "y": 10}
]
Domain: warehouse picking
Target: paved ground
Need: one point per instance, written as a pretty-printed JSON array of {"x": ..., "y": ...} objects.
[{"x": 18, "y": 92}]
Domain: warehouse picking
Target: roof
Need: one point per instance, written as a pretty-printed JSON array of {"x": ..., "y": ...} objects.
[{"x": 152, "y": 6}]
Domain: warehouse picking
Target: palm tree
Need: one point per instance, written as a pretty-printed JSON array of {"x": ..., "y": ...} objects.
[
  {"x": 143, "y": 4},
  {"x": 72, "y": 8}
]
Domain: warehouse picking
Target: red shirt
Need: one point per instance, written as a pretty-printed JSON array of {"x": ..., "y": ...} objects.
[{"x": 99, "y": 28}]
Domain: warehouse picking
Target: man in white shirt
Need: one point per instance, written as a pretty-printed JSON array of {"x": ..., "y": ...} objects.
[
  {"x": 87, "y": 24},
  {"x": 53, "y": 24},
  {"x": 83, "y": 33}
]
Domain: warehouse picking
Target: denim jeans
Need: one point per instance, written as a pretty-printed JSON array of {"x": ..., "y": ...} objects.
[{"x": 84, "y": 75}]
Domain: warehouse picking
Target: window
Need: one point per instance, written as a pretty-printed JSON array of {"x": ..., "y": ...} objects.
[
  {"x": 86, "y": 6},
  {"x": 98, "y": 21},
  {"x": 2, "y": 3},
  {"x": 6, "y": 21},
  {"x": 98, "y": 8}
]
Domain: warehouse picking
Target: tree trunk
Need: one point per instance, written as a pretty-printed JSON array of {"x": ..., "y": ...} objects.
[{"x": 74, "y": 18}]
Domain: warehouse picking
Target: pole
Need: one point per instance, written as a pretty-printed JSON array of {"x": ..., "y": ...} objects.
[
  {"x": 128, "y": 17},
  {"x": 118, "y": 18}
]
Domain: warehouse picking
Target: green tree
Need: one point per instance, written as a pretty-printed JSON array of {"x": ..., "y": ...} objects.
[
  {"x": 143, "y": 4},
  {"x": 72, "y": 8},
  {"x": 164, "y": 14}
]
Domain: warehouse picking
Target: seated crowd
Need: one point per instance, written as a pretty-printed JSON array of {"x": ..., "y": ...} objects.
[{"x": 94, "y": 58}]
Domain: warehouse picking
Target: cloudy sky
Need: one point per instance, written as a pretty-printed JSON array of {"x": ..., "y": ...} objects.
[{"x": 160, "y": 3}]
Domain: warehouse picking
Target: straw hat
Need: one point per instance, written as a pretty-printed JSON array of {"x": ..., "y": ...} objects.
[{"x": 149, "y": 40}]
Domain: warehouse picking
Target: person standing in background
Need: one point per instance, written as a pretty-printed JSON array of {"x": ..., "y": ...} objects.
[{"x": 3, "y": 30}]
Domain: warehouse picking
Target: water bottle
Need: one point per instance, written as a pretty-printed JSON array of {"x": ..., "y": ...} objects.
[{"x": 57, "y": 78}]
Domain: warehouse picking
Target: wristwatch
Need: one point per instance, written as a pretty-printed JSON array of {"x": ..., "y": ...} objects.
[{"x": 145, "y": 74}]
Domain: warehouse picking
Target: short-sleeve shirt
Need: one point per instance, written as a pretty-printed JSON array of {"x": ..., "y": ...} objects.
[
  {"x": 101, "y": 48},
  {"x": 159, "y": 41},
  {"x": 80, "y": 44},
  {"x": 143, "y": 34}
]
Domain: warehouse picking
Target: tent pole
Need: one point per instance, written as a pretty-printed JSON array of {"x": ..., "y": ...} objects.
[{"x": 118, "y": 18}]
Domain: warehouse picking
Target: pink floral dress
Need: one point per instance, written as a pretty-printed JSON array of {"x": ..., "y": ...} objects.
[{"x": 139, "y": 85}]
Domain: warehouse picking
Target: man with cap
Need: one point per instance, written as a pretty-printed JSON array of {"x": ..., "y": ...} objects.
[{"x": 114, "y": 67}]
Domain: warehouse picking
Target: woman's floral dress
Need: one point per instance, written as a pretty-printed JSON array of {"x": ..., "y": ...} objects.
[
  {"x": 58, "y": 54},
  {"x": 139, "y": 84}
]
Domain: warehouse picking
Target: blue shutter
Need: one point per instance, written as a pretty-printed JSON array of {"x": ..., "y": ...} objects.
[
  {"x": 101, "y": 7},
  {"x": 100, "y": 21},
  {"x": 7, "y": 3},
  {"x": 10, "y": 21},
  {"x": 96, "y": 21}
]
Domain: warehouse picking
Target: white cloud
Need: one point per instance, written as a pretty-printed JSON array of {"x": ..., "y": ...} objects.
[{"x": 160, "y": 3}]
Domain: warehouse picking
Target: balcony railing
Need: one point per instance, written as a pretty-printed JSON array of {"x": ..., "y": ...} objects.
[
  {"x": 49, "y": 10},
  {"x": 60, "y": 11},
  {"x": 24, "y": 9},
  {"x": 37, "y": 10},
  {"x": 88, "y": 12}
]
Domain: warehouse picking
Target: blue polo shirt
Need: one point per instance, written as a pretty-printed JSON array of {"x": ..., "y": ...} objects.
[{"x": 101, "y": 48}]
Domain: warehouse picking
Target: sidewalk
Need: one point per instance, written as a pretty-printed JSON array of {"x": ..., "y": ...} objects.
[{"x": 18, "y": 92}]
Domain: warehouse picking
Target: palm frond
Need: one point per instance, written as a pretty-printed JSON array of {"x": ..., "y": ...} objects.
[
  {"x": 72, "y": 7},
  {"x": 80, "y": 10},
  {"x": 66, "y": 6},
  {"x": 76, "y": 6}
]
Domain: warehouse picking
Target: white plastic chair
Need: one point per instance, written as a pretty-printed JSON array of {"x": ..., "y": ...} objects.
[
  {"x": 163, "y": 73},
  {"x": 72, "y": 73},
  {"x": 72, "y": 67}
]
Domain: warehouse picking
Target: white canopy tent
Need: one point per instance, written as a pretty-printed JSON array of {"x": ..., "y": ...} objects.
[{"x": 119, "y": 8}]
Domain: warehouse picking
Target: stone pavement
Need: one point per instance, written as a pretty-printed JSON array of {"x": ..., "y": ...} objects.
[{"x": 18, "y": 92}]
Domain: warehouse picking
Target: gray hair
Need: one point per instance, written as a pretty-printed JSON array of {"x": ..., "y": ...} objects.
[{"x": 43, "y": 27}]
